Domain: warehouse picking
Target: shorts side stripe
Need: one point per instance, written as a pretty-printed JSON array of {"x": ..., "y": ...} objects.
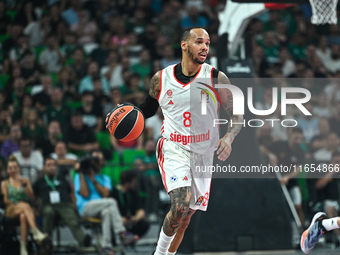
[{"x": 160, "y": 160}]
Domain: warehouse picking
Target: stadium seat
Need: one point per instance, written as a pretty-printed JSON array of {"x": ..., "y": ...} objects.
[
  {"x": 103, "y": 139},
  {"x": 129, "y": 155},
  {"x": 3, "y": 38},
  {"x": 12, "y": 14},
  {"x": 3, "y": 80}
]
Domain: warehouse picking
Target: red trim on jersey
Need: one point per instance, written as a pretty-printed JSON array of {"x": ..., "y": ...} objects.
[
  {"x": 160, "y": 84},
  {"x": 160, "y": 160},
  {"x": 185, "y": 84},
  {"x": 212, "y": 79}
]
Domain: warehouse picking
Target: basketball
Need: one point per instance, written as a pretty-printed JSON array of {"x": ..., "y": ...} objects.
[{"x": 125, "y": 122}]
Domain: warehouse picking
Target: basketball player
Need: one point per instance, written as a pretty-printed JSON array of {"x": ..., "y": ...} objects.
[
  {"x": 189, "y": 139},
  {"x": 321, "y": 223}
]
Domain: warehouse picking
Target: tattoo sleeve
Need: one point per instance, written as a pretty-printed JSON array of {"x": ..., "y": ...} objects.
[
  {"x": 155, "y": 85},
  {"x": 227, "y": 101},
  {"x": 180, "y": 199}
]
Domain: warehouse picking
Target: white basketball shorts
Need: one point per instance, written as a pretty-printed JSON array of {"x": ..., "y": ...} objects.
[{"x": 182, "y": 168}]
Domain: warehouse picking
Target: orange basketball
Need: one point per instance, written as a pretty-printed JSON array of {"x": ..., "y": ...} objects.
[{"x": 125, "y": 122}]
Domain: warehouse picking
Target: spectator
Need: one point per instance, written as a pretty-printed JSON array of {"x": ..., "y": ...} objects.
[
  {"x": 5, "y": 20},
  {"x": 65, "y": 161},
  {"x": 67, "y": 84},
  {"x": 323, "y": 51},
  {"x": 324, "y": 155},
  {"x": 271, "y": 47},
  {"x": 79, "y": 65},
  {"x": 57, "y": 109},
  {"x": 290, "y": 153},
  {"x": 62, "y": 156},
  {"x": 84, "y": 29},
  {"x": 29, "y": 69},
  {"x": 92, "y": 114},
  {"x": 332, "y": 64},
  {"x": 300, "y": 69},
  {"x": 5, "y": 125},
  {"x": 148, "y": 39},
  {"x": 31, "y": 161},
  {"x": 261, "y": 65},
  {"x": 322, "y": 109},
  {"x": 15, "y": 97},
  {"x": 335, "y": 120},
  {"x": 26, "y": 14},
  {"x": 51, "y": 59},
  {"x": 144, "y": 67},
  {"x": 15, "y": 31},
  {"x": 17, "y": 51},
  {"x": 55, "y": 16},
  {"x": 32, "y": 125},
  {"x": 132, "y": 49},
  {"x": 332, "y": 90},
  {"x": 116, "y": 98},
  {"x": 17, "y": 192},
  {"x": 101, "y": 53},
  {"x": 92, "y": 192},
  {"x": 100, "y": 98},
  {"x": 47, "y": 144},
  {"x": 38, "y": 30},
  {"x": 334, "y": 37},
  {"x": 58, "y": 202},
  {"x": 121, "y": 39},
  {"x": 79, "y": 137},
  {"x": 22, "y": 110},
  {"x": 11, "y": 145},
  {"x": 133, "y": 90},
  {"x": 104, "y": 11},
  {"x": 194, "y": 19},
  {"x": 288, "y": 66},
  {"x": 71, "y": 14},
  {"x": 87, "y": 82},
  {"x": 43, "y": 98},
  {"x": 69, "y": 46},
  {"x": 169, "y": 57},
  {"x": 113, "y": 70},
  {"x": 298, "y": 47},
  {"x": 129, "y": 204},
  {"x": 308, "y": 123}
]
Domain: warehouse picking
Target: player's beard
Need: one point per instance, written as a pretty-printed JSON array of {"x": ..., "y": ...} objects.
[{"x": 191, "y": 55}]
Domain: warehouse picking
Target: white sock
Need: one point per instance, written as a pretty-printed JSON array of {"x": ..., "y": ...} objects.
[
  {"x": 163, "y": 243},
  {"x": 330, "y": 224},
  {"x": 171, "y": 253}
]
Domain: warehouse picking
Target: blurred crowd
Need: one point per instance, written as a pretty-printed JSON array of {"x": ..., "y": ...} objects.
[
  {"x": 64, "y": 64},
  {"x": 291, "y": 52}
]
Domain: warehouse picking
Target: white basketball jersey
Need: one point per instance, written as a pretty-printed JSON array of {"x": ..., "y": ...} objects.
[{"x": 181, "y": 104}]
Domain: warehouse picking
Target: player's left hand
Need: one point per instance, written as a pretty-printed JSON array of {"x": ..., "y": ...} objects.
[{"x": 224, "y": 148}]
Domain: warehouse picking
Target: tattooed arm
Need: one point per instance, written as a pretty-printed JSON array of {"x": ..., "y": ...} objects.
[
  {"x": 150, "y": 105},
  {"x": 225, "y": 142}
]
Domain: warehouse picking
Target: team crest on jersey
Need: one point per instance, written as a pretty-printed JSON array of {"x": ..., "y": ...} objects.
[
  {"x": 169, "y": 92},
  {"x": 204, "y": 92},
  {"x": 199, "y": 200}
]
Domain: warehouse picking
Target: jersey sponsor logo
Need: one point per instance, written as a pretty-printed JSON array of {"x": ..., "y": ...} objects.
[
  {"x": 186, "y": 139},
  {"x": 174, "y": 178},
  {"x": 199, "y": 200},
  {"x": 185, "y": 178},
  {"x": 170, "y": 102},
  {"x": 169, "y": 92}
]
